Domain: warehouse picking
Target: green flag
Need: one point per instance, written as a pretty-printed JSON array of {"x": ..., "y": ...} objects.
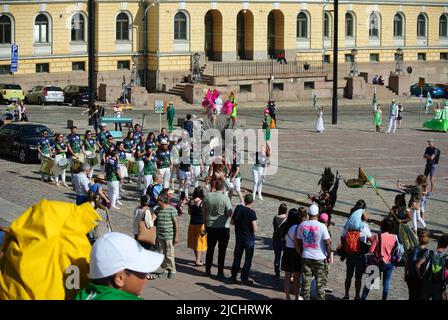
[
  {"x": 428, "y": 102},
  {"x": 374, "y": 100},
  {"x": 372, "y": 181}
]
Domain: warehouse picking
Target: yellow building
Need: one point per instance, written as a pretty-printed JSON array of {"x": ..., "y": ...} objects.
[{"x": 52, "y": 39}]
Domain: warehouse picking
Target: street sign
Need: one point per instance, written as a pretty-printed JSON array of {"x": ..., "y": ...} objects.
[
  {"x": 14, "y": 57},
  {"x": 158, "y": 106},
  {"x": 421, "y": 82}
]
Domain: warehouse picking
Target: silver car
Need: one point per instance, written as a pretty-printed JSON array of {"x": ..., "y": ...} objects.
[{"x": 45, "y": 94}]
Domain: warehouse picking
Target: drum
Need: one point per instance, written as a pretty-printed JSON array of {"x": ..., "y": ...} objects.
[
  {"x": 132, "y": 167},
  {"x": 76, "y": 165},
  {"x": 229, "y": 185},
  {"x": 129, "y": 156},
  {"x": 91, "y": 159},
  {"x": 124, "y": 171},
  {"x": 47, "y": 166},
  {"x": 63, "y": 163}
]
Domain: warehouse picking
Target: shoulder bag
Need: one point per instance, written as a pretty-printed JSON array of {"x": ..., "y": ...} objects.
[{"x": 145, "y": 234}]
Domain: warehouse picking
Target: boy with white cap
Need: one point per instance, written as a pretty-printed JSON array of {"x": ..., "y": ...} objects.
[
  {"x": 119, "y": 267},
  {"x": 314, "y": 242}
]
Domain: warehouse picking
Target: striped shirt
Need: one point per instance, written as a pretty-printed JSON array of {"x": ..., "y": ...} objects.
[{"x": 165, "y": 223}]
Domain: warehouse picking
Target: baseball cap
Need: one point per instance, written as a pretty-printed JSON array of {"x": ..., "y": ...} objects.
[
  {"x": 116, "y": 251},
  {"x": 323, "y": 217},
  {"x": 163, "y": 141},
  {"x": 102, "y": 124},
  {"x": 313, "y": 210}
]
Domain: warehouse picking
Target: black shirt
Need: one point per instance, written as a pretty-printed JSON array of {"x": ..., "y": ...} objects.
[
  {"x": 195, "y": 214},
  {"x": 243, "y": 217},
  {"x": 431, "y": 152}
]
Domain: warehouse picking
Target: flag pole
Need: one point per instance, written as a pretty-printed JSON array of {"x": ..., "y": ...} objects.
[{"x": 377, "y": 193}]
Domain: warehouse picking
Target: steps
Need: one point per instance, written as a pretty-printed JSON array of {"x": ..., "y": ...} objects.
[
  {"x": 381, "y": 91},
  {"x": 178, "y": 90}
]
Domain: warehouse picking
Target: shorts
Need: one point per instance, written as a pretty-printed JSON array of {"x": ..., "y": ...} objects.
[
  {"x": 430, "y": 170},
  {"x": 356, "y": 265},
  {"x": 291, "y": 261},
  {"x": 237, "y": 184}
]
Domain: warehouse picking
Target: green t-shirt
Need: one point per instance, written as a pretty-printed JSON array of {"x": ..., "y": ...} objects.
[
  {"x": 217, "y": 203},
  {"x": 98, "y": 292},
  {"x": 149, "y": 165},
  {"x": 111, "y": 168},
  {"x": 165, "y": 224}
]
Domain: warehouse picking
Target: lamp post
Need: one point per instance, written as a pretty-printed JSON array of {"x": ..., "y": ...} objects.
[
  {"x": 196, "y": 68},
  {"x": 91, "y": 52},
  {"x": 399, "y": 61},
  {"x": 334, "y": 102},
  {"x": 353, "y": 67}
]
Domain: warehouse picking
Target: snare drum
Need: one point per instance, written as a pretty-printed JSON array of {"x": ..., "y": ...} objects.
[
  {"x": 132, "y": 167},
  {"x": 47, "y": 166},
  {"x": 76, "y": 165},
  {"x": 91, "y": 159},
  {"x": 62, "y": 163}
]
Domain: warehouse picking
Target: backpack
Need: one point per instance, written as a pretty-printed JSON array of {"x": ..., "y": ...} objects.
[
  {"x": 152, "y": 199},
  {"x": 437, "y": 157},
  {"x": 352, "y": 243},
  {"x": 435, "y": 268},
  {"x": 411, "y": 261},
  {"x": 397, "y": 254}
]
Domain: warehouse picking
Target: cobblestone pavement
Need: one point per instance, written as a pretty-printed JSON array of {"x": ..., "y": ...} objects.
[{"x": 302, "y": 156}]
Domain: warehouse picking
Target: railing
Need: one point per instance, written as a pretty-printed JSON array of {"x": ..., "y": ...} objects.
[{"x": 267, "y": 68}]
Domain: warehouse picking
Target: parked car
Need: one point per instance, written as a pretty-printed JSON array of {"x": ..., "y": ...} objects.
[
  {"x": 76, "y": 95},
  {"x": 434, "y": 90},
  {"x": 20, "y": 140},
  {"x": 10, "y": 92},
  {"x": 45, "y": 94},
  {"x": 445, "y": 87}
]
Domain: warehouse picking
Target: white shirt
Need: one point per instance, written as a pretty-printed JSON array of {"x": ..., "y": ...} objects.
[
  {"x": 313, "y": 235},
  {"x": 365, "y": 232},
  {"x": 289, "y": 237},
  {"x": 81, "y": 183}
]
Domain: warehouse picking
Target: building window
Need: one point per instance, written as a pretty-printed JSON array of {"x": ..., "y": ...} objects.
[
  {"x": 374, "y": 26},
  {"x": 278, "y": 87},
  {"x": 245, "y": 88},
  {"x": 421, "y": 56},
  {"x": 327, "y": 22},
  {"x": 180, "y": 26},
  {"x": 41, "y": 29},
  {"x": 308, "y": 85},
  {"x": 443, "y": 26},
  {"x": 42, "y": 67},
  {"x": 5, "y": 29},
  {"x": 374, "y": 57},
  {"x": 421, "y": 26},
  {"x": 122, "y": 27},
  {"x": 78, "y": 27},
  {"x": 302, "y": 25},
  {"x": 349, "y": 25},
  {"x": 326, "y": 58},
  {"x": 444, "y": 56},
  {"x": 79, "y": 66},
  {"x": 398, "y": 25},
  {"x": 126, "y": 64},
  {"x": 5, "y": 69},
  {"x": 348, "y": 57}
]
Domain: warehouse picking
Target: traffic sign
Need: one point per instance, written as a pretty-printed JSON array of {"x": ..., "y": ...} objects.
[
  {"x": 158, "y": 106},
  {"x": 14, "y": 57}
]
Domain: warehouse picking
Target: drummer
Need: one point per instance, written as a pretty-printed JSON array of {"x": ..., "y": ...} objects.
[
  {"x": 139, "y": 153},
  {"x": 150, "y": 167},
  {"x": 89, "y": 150},
  {"x": 137, "y": 133},
  {"x": 123, "y": 160},
  {"x": 44, "y": 148},
  {"x": 60, "y": 150},
  {"x": 151, "y": 142},
  {"x": 74, "y": 147},
  {"x": 129, "y": 145},
  {"x": 162, "y": 136},
  {"x": 101, "y": 140},
  {"x": 164, "y": 162}
]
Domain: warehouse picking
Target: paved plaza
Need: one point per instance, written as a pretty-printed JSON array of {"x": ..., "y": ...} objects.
[{"x": 302, "y": 156}]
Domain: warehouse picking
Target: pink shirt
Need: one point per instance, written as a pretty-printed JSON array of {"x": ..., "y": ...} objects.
[{"x": 387, "y": 245}]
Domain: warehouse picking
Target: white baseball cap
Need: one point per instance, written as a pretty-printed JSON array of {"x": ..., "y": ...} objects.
[
  {"x": 313, "y": 210},
  {"x": 102, "y": 124},
  {"x": 116, "y": 251}
]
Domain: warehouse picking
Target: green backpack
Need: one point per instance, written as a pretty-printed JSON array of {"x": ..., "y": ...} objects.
[{"x": 435, "y": 268}]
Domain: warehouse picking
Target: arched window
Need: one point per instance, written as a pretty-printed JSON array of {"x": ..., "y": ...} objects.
[
  {"x": 398, "y": 25},
  {"x": 5, "y": 29},
  {"x": 327, "y": 24},
  {"x": 349, "y": 25},
  {"x": 421, "y": 26},
  {"x": 41, "y": 29},
  {"x": 443, "y": 26},
  {"x": 180, "y": 26},
  {"x": 78, "y": 27},
  {"x": 374, "y": 26},
  {"x": 302, "y": 25},
  {"x": 122, "y": 27}
]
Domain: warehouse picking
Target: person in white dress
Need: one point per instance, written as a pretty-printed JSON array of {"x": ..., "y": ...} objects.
[{"x": 320, "y": 120}]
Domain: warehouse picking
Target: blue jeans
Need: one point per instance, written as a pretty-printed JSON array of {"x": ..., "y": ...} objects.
[
  {"x": 241, "y": 246},
  {"x": 81, "y": 199},
  {"x": 386, "y": 273},
  {"x": 278, "y": 248}
]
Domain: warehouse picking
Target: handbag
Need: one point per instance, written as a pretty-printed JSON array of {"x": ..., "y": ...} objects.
[{"x": 145, "y": 234}]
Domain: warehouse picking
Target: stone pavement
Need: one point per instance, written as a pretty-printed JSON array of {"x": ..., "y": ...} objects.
[{"x": 302, "y": 156}]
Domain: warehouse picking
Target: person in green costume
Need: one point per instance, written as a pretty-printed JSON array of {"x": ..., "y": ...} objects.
[
  {"x": 439, "y": 122},
  {"x": 267, "y": 125},
  {"x": 170, "y": 114},
  {"x": 377, "y": 119},
  {"x": 119, "y": 268}
]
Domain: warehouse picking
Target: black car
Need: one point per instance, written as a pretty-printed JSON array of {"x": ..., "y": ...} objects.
[
  {"x": 76, "y": 95},
  {"x": 20, "y": 140}
]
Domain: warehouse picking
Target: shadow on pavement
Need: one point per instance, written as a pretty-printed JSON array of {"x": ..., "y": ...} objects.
[{"x": 232, "y": 292}]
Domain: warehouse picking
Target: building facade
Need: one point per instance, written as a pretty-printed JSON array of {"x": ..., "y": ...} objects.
[{"x": 52, "y": 37}]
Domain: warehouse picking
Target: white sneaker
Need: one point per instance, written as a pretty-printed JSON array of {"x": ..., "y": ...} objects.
[
  {"x": 65, "y": 185},
  {"x": 57, "y": 184},
  {"x": 115, "y": 207},
  {"x": 260, "y": 197},
  {"x": 301, "y": 298},
  {"x": 119, "y": 203}
]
